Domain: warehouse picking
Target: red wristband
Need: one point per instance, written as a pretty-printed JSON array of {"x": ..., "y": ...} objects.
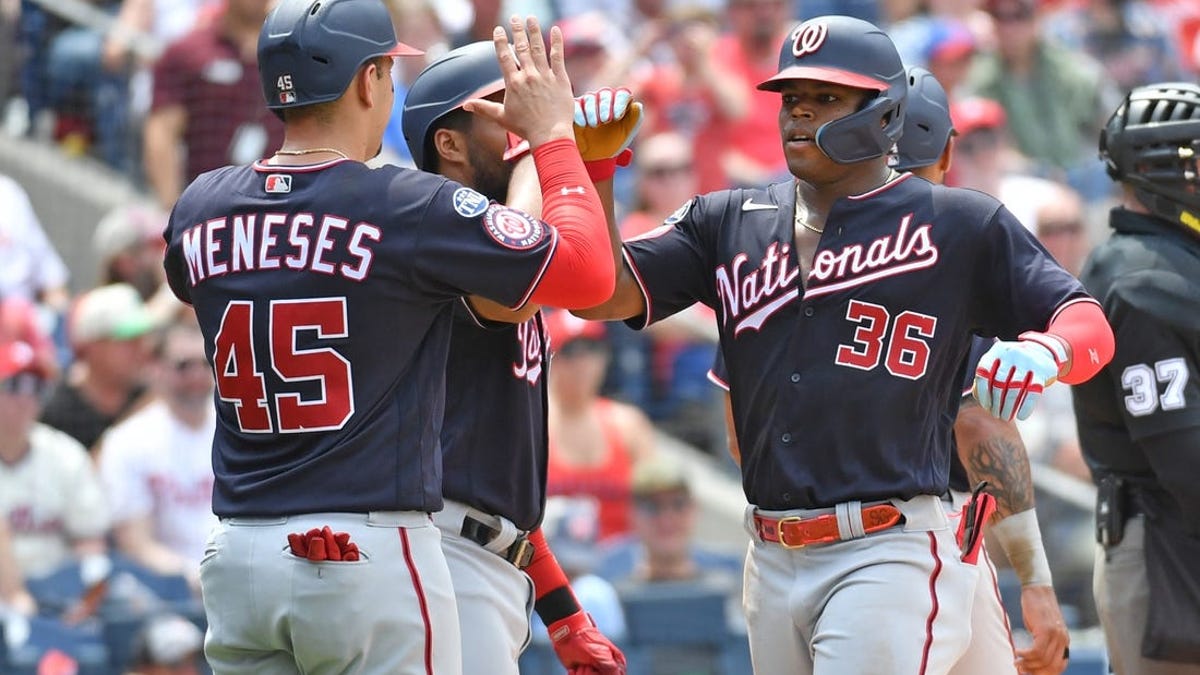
[{"x": 600, "y": 170}]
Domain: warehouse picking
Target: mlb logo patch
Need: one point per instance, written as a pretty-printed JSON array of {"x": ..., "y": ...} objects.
[
  {"x": 287, "y": 97},
  {"x": 278, "y": 183},
  {"x": 469, "y": 203},
  {"x": 513, "y": 229}
]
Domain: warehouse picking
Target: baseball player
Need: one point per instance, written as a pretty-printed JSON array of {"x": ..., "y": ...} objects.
[
  {"x": 325, "y": 291},
  {"x": 847, "y": 301},
  {"x": 988, "y": 449},
  {"x": 494, "y": 443},
  {"x": 1139, "y": 420}
]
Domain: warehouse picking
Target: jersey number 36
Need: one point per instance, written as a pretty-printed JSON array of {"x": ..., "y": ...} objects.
[
  {"x": 907, "y": 352},
  {"x": 240, "y": 378}
]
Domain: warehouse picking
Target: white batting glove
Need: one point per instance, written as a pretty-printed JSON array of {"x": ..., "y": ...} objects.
[
  {"x": 606, "y": 122},
  {"x": 1011, "y": 376}
]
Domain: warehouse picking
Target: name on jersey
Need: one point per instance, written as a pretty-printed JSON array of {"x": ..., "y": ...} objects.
[
  {"x": 267, "y": 241},
  {"x": 910, "y": 249},
  {"x": 750, "y": 296}
]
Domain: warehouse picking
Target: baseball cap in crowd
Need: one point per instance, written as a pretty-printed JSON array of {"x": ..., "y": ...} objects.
[
  {"x": 128, "y": 226},
  {"x": 584, "y": 34},
  {"x": 658, "y": 473},
  {"x": 1010, "y": 9},
  {"x": 113, "y": 312},
  {"x": 976, "y": 113},
  {"x": 563, "y": 328},
  {"x": 24, "y": 346},
  {"x": 167, "y": 640},
  {"x": 948, "y": 40}
]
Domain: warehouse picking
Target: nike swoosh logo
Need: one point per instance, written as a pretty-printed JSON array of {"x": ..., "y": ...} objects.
[{"x": 749, "y": 205}]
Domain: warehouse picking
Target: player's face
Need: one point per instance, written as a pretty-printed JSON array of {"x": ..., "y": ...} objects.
[
  {"x": 804, "y": 106},
  {"x": 485, "y": 152}
]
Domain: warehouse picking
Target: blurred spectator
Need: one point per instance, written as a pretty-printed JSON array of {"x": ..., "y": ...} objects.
[
  {"x": 14, "y": 597},
  {"x": 30, "y": 267},
  {"x": 418, "y": 25},
  {"x": 107, "y": 328},
  {"x": 662, "y": 546},
  {"x": 1059, "y": 225},
  {"x": 593, "y": 440},
  {"x": 167, "y": 644},
  {"x": 686, "y": 91},
  {"x": 160, "y": 20},
  {"x": 588, "y": 41},
  {"x": 50, "y": 494},
  {"x": 948, "y": 54},
  {"x": 89, "y": 101},
  {"x": 665, "y": 179},
  {"x": 208, "y": 109},
  {"x": 985, "y": 160},
  {"x": 734, "y": 150},
  {"x": 1053, "y": 97},
  {"x": 157, "y": 463},
  {"x": 1132, "y": 40},
  {"x": 571, "y": 527},
  {"x": 129, "y": 244}
]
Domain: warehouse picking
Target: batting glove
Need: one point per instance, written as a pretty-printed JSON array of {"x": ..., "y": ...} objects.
[
  {"x": 1011, "y": 376},
  {"x": 606, "y": 122},
  {"x": 582, "y": 648}
]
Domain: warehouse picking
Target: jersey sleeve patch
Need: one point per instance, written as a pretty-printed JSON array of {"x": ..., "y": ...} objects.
[
  {"x": 679, "y": 213},
  {"x": 469, "y": 203},
  {"x": 512, "y": 228}
]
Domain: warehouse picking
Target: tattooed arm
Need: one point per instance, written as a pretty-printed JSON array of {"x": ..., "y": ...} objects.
[{"x": 992, "y": 450}]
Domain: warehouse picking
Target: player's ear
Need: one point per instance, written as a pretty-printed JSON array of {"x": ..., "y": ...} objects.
[
  {"x": 947, "y": 156},
  {"x": 450, "y": 145},
  {"x": 364, "y": 84}
]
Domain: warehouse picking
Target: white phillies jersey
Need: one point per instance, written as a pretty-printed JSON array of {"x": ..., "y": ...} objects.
[
  {"x": 51, "y": 498},
  {"x": 154, "y": 465}
]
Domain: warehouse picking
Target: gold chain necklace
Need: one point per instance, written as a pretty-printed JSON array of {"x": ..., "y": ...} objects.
[
  {"x": 310, "y": 151},
  {"x": 802, "y": 220}
]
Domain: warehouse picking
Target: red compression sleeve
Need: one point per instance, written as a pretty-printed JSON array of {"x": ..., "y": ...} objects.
[
  {"x": 1085, "y": 330},
  {"x": 554, "y": 598},
  {"x": 581, "y": 272}
]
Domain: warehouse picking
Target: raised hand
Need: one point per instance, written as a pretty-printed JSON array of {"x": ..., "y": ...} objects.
[
  {"x": 606, "y": 122},
  {"x": 538, "y": 105}
]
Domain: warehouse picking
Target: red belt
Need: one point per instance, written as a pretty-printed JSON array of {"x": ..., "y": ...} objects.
[{"x": 796, "y": 532}]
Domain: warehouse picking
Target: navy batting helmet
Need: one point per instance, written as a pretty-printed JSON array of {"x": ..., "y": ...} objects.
[
  {"x": 1151, "y": 142},
  {"x": 927, "y": 125},
  {"x": 471, "y": 71},
  {"x": 309, "y": 50},
  {"x": 854, "y": 53}
]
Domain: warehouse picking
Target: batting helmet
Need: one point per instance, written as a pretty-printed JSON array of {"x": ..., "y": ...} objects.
[
  {"x": 854, "y": 53},
  {"x": 309, "y": 50},
  {"x": 471, "y": 71},
  {"x": 1151, "y": 142},
  {"x": 927, "y": 125}
]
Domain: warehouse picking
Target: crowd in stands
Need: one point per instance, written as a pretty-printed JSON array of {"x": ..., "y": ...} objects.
[{"x": 105, "y": 397}]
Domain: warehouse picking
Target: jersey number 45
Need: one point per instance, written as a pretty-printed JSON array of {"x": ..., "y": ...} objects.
[{"x": 240, "y": 380}]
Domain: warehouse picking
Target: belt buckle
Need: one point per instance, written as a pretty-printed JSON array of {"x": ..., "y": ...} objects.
[
  {"x": 520, "y": 554},
  {"x": 779, "y": 529}
]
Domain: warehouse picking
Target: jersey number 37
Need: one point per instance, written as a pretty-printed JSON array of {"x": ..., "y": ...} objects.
[{"x": 239, "y": 372}]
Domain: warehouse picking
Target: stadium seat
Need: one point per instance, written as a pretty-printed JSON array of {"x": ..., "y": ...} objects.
[{"x": 675, "y": 628}]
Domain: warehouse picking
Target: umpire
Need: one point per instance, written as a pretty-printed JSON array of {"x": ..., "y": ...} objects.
[{"x": 1139, "y": 420}]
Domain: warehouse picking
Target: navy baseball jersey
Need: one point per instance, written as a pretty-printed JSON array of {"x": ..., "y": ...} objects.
[
  {"x": 1147, "y": 277},
  {"x": 959, "y": 480},
  {"x": 325, "y": 294},
  {"x": 848, "y": 389},
  {"x": 494, "y": 440}
]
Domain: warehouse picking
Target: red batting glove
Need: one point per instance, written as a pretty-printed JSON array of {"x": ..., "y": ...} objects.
[
  {"x": 323, "y": 544},
  {"x": 582, "y": 648}
]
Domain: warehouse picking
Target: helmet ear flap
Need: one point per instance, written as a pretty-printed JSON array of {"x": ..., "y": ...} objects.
[{"x": 866, "y": 134}]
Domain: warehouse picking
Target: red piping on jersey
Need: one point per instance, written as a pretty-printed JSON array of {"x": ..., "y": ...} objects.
[
  {"x": 416, "y": 581},
  {"x": 263, "y": 167},
  {"x": 712, "y": 377},
  {"x": 933, "y": 611},
  {"x": 886, "y": 186},
  {"x": 637, "y": 277}
]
